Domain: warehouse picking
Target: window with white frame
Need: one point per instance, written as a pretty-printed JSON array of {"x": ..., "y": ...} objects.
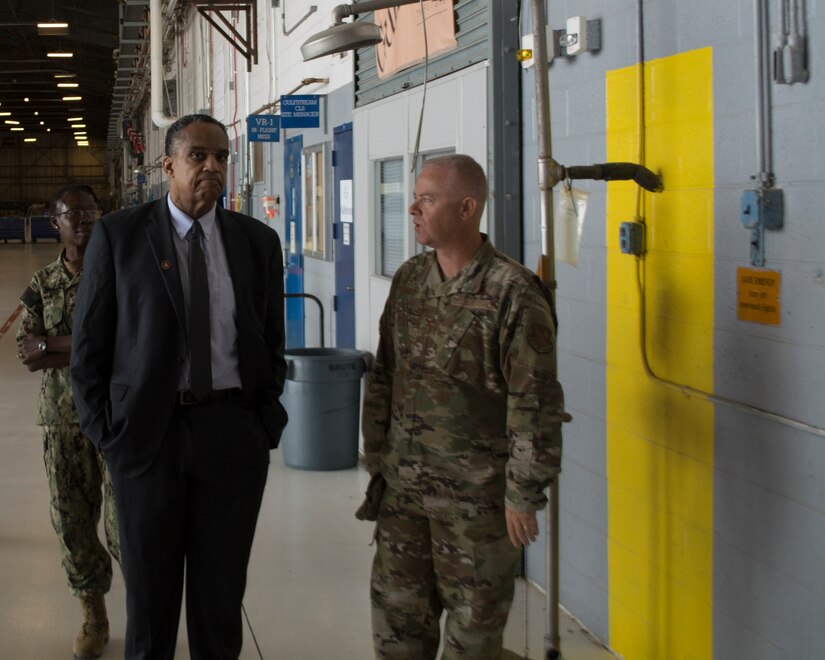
[
  {"x": 315, "y": 225},
  {"x": 392, "y": 216}
]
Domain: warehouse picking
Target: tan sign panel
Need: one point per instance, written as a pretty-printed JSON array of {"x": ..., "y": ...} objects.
[
  {"x": 758, "y": 295},
  {"x": 403, "y": 34}
]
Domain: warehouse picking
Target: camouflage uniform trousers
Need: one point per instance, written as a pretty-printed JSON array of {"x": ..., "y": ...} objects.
[
  {"x": 433, "y": 554},
  {"x": 79, "y": 486}
]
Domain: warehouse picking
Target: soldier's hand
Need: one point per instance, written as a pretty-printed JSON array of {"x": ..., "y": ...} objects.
[
  {"x": 27, "y": 348},
  {"x": 523, "y": 528}
]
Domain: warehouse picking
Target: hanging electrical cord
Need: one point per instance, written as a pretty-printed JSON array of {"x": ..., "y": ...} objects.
[
  {"x": 252, "y": 632},
  {"x": 641, "y": 274},
  {"x": 424, "y": 93}
]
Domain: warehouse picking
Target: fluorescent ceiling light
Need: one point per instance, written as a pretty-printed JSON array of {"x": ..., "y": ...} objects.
[
  {"x": 75, "y": 119},
  {"x": 65, "y": 75},
  {"x": 52, "y": 25},
  {"x": 82, "y": 144},
  {"x": 59, "y": 53},
  {"x": 13, "y": 122},
  {"x": 18, "y": 128},
  {"x": 72, "y": 98},
  {"x": 79, "y": 126},
  {"x": 67, "y": 84},
  {"x": 5, "y": 114},
  {"x": 29, "y": 139}
]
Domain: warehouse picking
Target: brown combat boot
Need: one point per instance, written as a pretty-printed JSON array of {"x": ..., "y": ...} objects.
[{"x": 94, "y": 633}]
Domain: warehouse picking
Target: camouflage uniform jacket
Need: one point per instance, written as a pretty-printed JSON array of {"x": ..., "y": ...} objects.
[
  {"x": 48, "y": 305},
  {"x": 463, "y": 400}
]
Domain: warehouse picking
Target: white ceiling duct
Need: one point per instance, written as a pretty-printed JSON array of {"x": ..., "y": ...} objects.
[{"x": 159, "y": 117}]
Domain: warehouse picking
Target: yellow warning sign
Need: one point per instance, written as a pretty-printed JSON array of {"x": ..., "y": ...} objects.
[{"x": 758, "y": 295}]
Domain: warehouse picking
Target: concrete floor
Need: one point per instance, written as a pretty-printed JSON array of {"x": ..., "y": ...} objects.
[{"x": 307, "y": 596}]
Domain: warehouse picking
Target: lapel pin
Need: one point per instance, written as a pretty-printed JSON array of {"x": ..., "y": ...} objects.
[{"x": 166, "y": 264}]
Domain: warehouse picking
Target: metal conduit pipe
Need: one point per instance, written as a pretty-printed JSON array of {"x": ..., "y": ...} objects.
[
  {"x": 341, "y": 12},
  {"x": 159, "y": 117},
  {"x": 548, "y": 171},
  {"x": 764, "y": 157}
]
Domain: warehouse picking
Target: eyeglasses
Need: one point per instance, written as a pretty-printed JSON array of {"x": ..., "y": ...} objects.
[{"x": 76, "y": 215}]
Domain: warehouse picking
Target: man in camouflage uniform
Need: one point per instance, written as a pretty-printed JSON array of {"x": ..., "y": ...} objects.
[
  {"x": 462, "y": 417},
  {"x": 76, "y": 471}
]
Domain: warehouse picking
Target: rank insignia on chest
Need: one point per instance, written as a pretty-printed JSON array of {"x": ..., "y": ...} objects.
[{"x": 540, "y": 338}]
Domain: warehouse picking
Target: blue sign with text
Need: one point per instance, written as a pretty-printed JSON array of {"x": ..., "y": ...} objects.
[
  {"x": 263, "y": 128},
  {"x": 302, "y": 111}
]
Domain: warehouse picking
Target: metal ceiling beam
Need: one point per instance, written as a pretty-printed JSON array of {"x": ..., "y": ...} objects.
[{"x": 245, "y": 45}]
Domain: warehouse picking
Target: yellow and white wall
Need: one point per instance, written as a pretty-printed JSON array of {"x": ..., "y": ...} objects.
[
  {"x": 660, "y": 442},
  {"x": 690, "y": 528}
]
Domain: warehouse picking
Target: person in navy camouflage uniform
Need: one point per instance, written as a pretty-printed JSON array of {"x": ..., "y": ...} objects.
[{"x": 79, "y": 483}]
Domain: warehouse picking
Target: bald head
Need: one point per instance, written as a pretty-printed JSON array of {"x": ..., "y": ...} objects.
[{"x": 466, "y": 177}]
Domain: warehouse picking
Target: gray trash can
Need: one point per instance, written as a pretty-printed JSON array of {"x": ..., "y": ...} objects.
[{"x": 322, "y": 395}]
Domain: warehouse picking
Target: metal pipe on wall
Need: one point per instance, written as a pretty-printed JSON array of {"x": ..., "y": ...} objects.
[
  {"x": 159, "y": 117},
  {"x": 764, "y": 156},
  {"x": 547, "y": 172}
]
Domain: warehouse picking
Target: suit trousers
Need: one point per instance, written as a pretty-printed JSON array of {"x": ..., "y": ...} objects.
[{"x": 192, "y": 513}]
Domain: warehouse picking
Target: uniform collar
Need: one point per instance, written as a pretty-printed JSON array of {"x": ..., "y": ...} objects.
[{"x": 468, "y": 279}]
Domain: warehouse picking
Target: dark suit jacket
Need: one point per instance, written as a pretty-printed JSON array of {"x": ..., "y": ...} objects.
[{"x": 129, "y": 332}]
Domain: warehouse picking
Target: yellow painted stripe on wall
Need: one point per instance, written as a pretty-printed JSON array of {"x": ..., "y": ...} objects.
[{"x": 659, "y": 441}]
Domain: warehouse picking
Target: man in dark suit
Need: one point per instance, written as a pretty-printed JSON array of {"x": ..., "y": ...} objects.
[{"x": 177, "y": 366}]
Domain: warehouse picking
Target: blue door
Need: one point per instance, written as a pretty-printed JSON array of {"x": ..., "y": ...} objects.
[
  {"x": 294, "y": 241},
  {"x": 344, "y": 233}
]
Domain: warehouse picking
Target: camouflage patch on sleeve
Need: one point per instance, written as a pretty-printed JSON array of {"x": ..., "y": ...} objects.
[
  {"x": 30, "y": 297},
  {"x": 540, "y": 337}
]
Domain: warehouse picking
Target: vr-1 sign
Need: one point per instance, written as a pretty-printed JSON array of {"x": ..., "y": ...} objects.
[{"x": 263, "y": 128}]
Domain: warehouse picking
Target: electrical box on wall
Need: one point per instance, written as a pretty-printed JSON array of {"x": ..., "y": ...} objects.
[
  {"x": 762, "y": 208},
  {"x": 632, "y": 238}
]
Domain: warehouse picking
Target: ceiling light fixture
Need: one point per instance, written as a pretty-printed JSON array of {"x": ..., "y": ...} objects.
[
  {"x": 59, "y": 53},
  {"x": 52, "y": 28},
  {"x": 29, "y": 139},
  {"x": 5, "y": 114},
  {"x": 26, "y": 99},
  {"x": 72, "y": 98},
  {"x": 79, "y": 126},
  {"x": 67, "y": 85},
  {"x": 11, "y": 122},
  {"x": 18, "y": 128},
  {"x": 75, "y": 119},
  {"x": 65, "y": 75}
]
